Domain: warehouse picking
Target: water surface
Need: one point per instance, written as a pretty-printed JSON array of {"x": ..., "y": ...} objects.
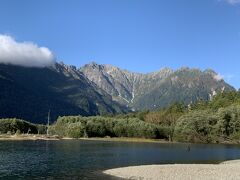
[{"x": 82, "y": 159}]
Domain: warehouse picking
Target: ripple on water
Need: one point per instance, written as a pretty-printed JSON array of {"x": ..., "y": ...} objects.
[{"x": 79, "y": 159}]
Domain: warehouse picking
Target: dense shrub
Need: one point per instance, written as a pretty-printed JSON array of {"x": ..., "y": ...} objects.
[
  {"x": 42, "y": 129},
  {"x": 18, "y": 132},
  {"x": 97, "y": 126},
  {"x": 14, "y": 125},
  {"x": 196, "y": 126},
  {"x": 228, "y": 124},
  {"x": 75, "y": 130},
  {"x": 167, "y": 116},
  {"x": 135, "y": 128},
  {"x": 209, "y": 126}
]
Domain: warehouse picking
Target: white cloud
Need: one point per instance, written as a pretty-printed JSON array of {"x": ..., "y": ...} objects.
[
  {"x": 233, "y": 2},
  {"x": 218, "y": 77},
  {"x": 25, "y": 54}
]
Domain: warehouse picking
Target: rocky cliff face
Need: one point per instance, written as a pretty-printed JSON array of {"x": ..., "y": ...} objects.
[{"x": 158, "y": 89}]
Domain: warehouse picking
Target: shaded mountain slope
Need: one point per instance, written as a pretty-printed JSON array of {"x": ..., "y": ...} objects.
[{"x": 29, "y": 93}]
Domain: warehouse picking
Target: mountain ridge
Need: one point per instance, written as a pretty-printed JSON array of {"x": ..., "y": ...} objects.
[
  {"x": 29, "y": 93},
  {"x": 124, "y": 86},
  {"x": 93, "y": 89}
]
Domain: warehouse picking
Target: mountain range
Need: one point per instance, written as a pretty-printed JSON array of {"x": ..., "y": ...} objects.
[
  {"x": 94, "y": 89},
  {"x": 155, "y": 90}
]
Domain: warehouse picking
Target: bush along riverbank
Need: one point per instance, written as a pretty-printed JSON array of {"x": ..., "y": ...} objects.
[
  {"x": 213, "y": 121},
  {"x": 12, "y": 126},
  {"x": 97, "y": 126}
]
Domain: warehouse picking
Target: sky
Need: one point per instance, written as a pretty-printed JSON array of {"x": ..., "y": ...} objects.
[{"x": 137, "y": 35}]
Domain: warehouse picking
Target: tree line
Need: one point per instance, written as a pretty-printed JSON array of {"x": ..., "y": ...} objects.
[
  {"x": 99, "y": 126},
  {"x": 213, "y": 121},
  {"x": 13, "y": 126}
]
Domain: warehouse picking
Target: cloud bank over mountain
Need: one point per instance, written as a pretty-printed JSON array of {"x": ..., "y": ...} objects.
[{"x": 25, "y": 54}]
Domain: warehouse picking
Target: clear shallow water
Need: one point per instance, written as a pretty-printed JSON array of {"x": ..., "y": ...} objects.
[{"x": 79, "y": 159}]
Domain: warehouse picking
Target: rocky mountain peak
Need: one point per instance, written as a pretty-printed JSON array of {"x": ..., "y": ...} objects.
[
  {"x": 162, "y": 73},
  {"x": 210, "y": 71},
  {"x": 93, "y": 65},
  {"x": 159, "y": 88}
]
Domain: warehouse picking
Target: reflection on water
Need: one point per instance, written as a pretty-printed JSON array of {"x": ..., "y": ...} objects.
[{"x": 79, "y": 159}]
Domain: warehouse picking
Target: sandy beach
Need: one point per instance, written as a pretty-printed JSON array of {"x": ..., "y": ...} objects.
[{"x": 229, "y": 170}]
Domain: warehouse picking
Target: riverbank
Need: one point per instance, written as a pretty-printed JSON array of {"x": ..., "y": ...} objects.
[
  {"x": 228, "y": 170},
  {"x": 45, "y": 137},
  {"x": 125, "y": 139},
  {"x": 145, "y": 140},
  {"x": 107, "y": 139},
  {"x": 21, "y": 137}
]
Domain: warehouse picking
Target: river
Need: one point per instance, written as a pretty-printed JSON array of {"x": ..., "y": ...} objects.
[{"x": 84, "y": 159}]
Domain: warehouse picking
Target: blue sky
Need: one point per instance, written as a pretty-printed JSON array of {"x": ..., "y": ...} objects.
[{"x": 138, "y": 35}]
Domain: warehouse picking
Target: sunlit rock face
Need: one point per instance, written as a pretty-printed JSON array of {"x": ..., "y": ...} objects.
[{"x": 158, "y": 89}]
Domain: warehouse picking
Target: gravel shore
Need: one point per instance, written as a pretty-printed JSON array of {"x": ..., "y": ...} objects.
[
  {"x": 23, "y": 137},
  {"x": 229, "y": 170}
]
